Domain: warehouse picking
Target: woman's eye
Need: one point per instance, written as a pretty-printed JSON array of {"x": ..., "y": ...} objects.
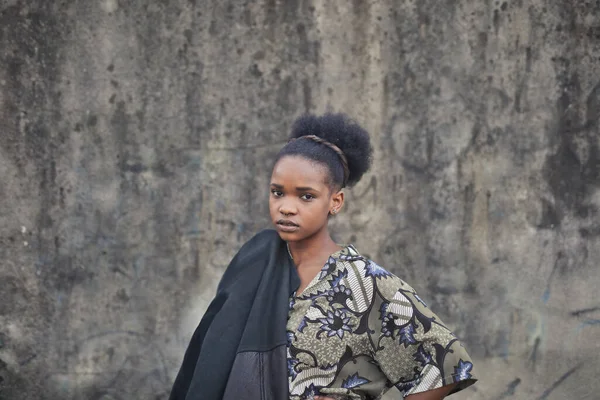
[
  {"x": 307, "y": 196},
  {"x": 276, "y": 193}
]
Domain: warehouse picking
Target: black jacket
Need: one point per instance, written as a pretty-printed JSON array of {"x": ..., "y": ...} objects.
[{"x": 238, "y": 350}]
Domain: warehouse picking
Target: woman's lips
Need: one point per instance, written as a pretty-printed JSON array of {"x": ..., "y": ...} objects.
[{"x": 287, "y": 226}]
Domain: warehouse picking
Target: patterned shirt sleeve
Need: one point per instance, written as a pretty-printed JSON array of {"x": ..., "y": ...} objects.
[{"x": 413, "y": 347}]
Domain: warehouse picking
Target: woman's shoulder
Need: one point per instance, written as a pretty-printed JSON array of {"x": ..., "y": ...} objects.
[
  {"x": 259, "y": 242},
  {"x": 385, "y": 283},
  {"x": 251, "y": 257}
]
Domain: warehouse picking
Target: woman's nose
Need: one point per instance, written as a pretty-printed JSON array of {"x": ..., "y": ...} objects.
[{"x": 287, "y": 209}]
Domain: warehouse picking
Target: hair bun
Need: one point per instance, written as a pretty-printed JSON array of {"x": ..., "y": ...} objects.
[{"x": 343, "y": 132}]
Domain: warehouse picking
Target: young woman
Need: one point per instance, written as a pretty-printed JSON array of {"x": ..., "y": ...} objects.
[{"x": 297, "y": 316}]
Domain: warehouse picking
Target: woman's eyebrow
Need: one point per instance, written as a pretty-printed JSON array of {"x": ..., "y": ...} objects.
[
  {"x": 305, "y": 189},
  {"x": 298, "y": 189}
]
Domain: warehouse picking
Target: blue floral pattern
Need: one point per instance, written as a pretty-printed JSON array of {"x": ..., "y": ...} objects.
[
  {"x": 339, "y": 294},
  {"x": 388, "y": 325},
  {"x": 358, "y": 331},
  {"x": 354, "y": 381},
  {"x": 407, "y": 334},
  {"x": 463, "y": 370},
  {"x": 291, "y": 365},
  {"x": 376, "y": 271},
  {"x": 336, "y": 323}
]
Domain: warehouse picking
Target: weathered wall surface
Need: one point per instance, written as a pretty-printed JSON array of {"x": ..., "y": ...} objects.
[{"x": 135, "y": 148}]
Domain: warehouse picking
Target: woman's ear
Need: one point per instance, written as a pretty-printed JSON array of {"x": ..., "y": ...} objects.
[{"x": 336, "y": 203}]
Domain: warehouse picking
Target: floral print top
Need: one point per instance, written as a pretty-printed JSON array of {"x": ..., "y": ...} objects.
[{"x": 359, "y": 332}]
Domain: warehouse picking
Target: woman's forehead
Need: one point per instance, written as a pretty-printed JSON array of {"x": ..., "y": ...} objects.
[{"x": 299, "y": 169}]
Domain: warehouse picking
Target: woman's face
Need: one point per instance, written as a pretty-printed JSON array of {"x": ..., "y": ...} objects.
[{"x": 301, "y": 199}]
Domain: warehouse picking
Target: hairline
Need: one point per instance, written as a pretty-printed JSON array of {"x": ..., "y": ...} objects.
[{"x": 333, "y": 187}]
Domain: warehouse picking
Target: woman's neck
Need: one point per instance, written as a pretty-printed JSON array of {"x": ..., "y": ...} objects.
[{"x": 314, "y": 251}]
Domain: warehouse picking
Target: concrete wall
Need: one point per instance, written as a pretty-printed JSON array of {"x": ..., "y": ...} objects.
[{"x": 136, "y": 142}]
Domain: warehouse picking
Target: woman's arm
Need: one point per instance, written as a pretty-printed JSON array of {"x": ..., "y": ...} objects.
[{"x": 435, "y": 394}]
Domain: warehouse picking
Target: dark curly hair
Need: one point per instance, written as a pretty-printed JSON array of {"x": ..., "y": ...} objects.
[{"x": 339, "y": 130}]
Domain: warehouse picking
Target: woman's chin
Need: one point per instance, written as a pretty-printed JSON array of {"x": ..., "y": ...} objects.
[
  {"x": 289, "y": 236},
  {"x": 286, "y": 236}
]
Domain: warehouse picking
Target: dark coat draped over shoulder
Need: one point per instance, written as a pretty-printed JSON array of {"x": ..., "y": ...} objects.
[{"x": 238, "y": 350}]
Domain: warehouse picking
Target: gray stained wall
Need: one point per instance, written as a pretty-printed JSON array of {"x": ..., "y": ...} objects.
[{"x": 135, "y": 150}]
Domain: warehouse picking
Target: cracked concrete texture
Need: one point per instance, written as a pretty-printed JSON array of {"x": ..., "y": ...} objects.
[{"x": 136, "y": 146}]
